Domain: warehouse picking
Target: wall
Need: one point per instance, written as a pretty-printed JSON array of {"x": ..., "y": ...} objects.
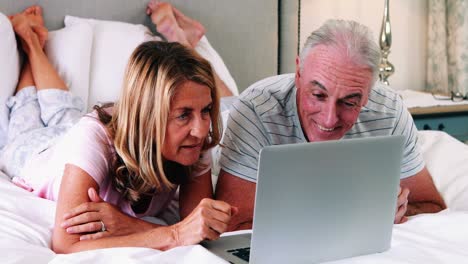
[
  {"x": 243, "y": 32},
  {"x": 409, "y": 23}
]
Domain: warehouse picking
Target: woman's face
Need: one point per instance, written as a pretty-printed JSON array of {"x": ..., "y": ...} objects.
[{"x": 188, "y": 123}]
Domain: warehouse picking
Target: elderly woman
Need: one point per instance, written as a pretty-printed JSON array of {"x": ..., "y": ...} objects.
[{"x": 133, "y": 155}]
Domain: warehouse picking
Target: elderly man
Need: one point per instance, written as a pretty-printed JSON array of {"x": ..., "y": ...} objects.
[{"x": 331, "y": 96}]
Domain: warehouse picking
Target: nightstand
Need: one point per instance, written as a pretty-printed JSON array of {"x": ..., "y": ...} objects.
[
  {"x": 430, "y": 113},
  {"x": 452, "y": 119}
]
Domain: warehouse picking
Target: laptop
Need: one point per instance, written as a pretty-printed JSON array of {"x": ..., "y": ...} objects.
[{"x": 319, "y": 202}]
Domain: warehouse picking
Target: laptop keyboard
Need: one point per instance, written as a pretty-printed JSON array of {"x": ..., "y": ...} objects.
[{"x": 242, "y": 253}]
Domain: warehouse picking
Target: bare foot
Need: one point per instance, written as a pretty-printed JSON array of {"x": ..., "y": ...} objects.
[
  {"x": 164, "y": 19},
  {"x": 27, "y": 36},
  {"x": 193, "y": 29},
  {"x": 35, "y": 21}
]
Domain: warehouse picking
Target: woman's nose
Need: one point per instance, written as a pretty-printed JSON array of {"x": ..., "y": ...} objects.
[{"x": 200, "y": 128}]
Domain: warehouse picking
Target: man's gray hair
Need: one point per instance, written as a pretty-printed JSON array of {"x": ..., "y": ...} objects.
[{"x": 356, "y": 39}]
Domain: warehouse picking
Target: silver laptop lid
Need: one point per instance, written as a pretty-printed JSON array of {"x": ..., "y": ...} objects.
[{"x": 323, "y": 201}]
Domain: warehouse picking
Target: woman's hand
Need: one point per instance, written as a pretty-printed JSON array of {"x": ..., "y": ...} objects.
[
  {"x": 206, "y": 222},
  {"x": 402, "y": 206},
  {"x": 86, "y": 219}
]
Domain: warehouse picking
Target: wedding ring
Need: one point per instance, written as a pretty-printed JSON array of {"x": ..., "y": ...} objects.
[{"x": 103, "y": 227}]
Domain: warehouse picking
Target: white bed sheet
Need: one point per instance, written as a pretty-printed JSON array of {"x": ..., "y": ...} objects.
[{"x": 26, "y": 222}]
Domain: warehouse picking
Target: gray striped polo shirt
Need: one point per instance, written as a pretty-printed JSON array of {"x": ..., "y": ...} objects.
[{"x": 266, "y": 114}]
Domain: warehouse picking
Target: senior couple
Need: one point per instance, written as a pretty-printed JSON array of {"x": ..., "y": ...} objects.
[{"x": 157, "y": 136}]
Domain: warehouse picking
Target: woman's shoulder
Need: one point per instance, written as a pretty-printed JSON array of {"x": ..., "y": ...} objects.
[
  {"x": 93, "y": 116},
  {"x": 88, "y": 131}
]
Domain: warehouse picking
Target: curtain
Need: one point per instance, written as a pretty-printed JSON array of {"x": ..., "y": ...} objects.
[{"x": 447, "y": 57}]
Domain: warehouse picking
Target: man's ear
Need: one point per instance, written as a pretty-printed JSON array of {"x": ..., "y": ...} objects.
[
  {"x": 298, "y": 69},
  {"x": 298, "y": 65},
  {"x": 365, "y": 99}
]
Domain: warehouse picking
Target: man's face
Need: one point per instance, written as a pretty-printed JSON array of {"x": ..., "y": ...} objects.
[{"x": 331, "y": 90}]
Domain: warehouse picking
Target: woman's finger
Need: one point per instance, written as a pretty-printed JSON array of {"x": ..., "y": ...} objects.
[
  {"x": 219, "y": 215},
  {"x": 210, "y": 234},
  {"x": 234, "y": 210},
  {"x": 220, "y": 206},
  {"x": 90, "y": 227},
  {"x": 82, "y": 208},
  {"x": 94, "y": 196},
  {"x": 82, "y": 219},
  {"x": 218, "y": 226}
]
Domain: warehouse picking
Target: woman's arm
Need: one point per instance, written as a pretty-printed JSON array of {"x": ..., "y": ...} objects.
[
  {"x": 207, "y": 221},
  {"x": 192, "y": 192},
  {"x": 73, "y": 192},
  {"x": 81, "y": 220},
  {"x": 85, "y": 219}
]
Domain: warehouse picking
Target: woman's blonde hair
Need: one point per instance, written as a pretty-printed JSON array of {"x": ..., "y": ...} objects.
[{"x": 138, "y": 123}]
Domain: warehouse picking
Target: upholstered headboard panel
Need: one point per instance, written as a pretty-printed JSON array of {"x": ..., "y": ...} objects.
[
  {"x": 245, "y": 33},
  {"x": 288, "y": 35}
]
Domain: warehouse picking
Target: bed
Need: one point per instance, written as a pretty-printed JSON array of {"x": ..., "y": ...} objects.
[{"x": 26, "y": 221}]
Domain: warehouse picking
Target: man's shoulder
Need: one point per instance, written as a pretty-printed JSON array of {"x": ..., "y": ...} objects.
[
  {"x": 381, "y": 113},
  {"x": 268, "y": 94},
  {"x": 383, "y": 99},
  {"x": 267, "y": 87}
]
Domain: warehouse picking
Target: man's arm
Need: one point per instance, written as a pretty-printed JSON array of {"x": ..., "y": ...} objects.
[
  {"x": 192, "y": 192},
  {"x": 240, "y": 193},
  {"x": 423, "y": 196}
]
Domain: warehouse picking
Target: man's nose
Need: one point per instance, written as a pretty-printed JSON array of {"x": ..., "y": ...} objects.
[{"x": 331, "y": 115}]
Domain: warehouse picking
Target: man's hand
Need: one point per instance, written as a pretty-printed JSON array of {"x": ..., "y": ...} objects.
[
  {"x": 423, "y": 197},
  {"x": 402, "y": 206}
]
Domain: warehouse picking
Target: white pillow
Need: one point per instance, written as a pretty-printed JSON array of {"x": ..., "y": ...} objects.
[
  {"x": 447, "y": 161},
  {"x": 69, "y": 50},
  {"x": 205, "y": 50},
  {"x": 9, "y": 72},
  {"x": 113, "y": 43}
]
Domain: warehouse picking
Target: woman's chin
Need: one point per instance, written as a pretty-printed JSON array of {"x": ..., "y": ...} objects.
[
  {"x": 185, "y": 156},
  {"x": 188, "y": 160}
]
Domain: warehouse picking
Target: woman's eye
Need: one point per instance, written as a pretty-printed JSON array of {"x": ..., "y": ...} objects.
[
  {"x": 183, "y": 116},
  {"x": 206, "y": 110}
]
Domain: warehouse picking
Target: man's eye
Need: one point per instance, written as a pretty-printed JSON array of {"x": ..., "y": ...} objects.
[
  {"x": 319, "y": 96},
  {"x": 350, "y": 104}
]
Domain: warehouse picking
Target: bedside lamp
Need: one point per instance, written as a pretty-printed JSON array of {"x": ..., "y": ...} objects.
[{"x": 385, "y": 67}]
